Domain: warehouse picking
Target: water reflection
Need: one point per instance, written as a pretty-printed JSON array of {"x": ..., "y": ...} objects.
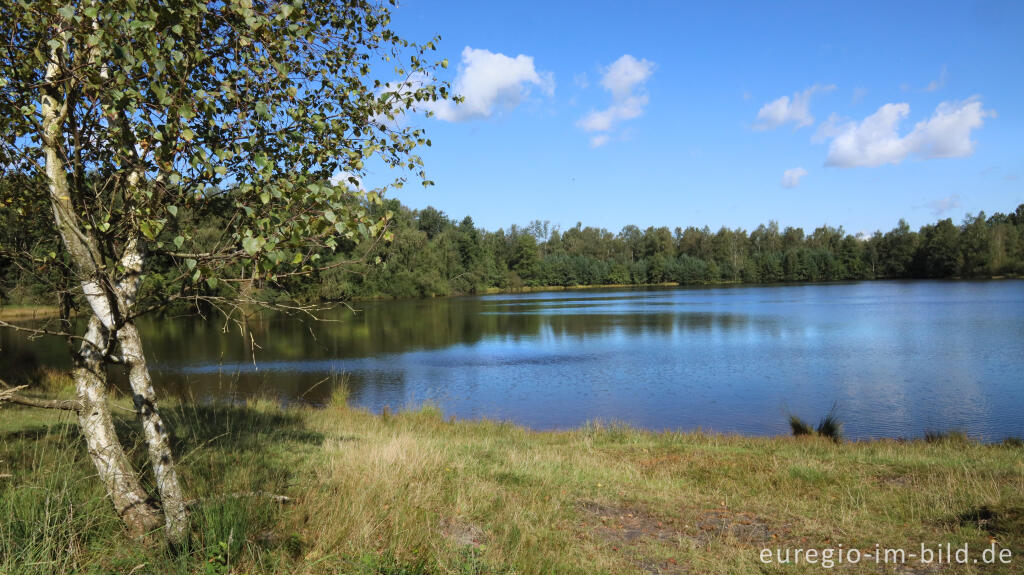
[{"x": 898, "y": 357}]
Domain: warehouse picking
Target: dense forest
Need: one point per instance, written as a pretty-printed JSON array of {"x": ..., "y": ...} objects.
[{"x": 433, "y": 254}]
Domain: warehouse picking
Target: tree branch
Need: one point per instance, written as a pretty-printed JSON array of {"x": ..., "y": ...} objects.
[{"x": 11, "y": 395}]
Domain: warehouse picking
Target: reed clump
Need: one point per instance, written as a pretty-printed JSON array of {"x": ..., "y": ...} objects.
[{"x": 829, "y": 426}]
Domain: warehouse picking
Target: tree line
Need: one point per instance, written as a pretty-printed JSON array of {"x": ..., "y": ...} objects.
[{"x": 433, "y": 254}]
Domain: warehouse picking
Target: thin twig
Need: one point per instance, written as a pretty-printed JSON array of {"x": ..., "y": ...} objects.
[{"x": 38, "y": 332}]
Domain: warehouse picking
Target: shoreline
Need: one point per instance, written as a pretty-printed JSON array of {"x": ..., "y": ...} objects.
[
  {"x": 19, "y": 312},
  {"x": 542, "y": 289}
]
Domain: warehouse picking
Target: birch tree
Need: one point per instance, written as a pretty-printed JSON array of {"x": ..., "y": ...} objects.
[{"x": 124, "y": 121}]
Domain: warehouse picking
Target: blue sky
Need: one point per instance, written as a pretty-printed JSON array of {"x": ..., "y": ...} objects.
[{"x": 677, "y": 114}]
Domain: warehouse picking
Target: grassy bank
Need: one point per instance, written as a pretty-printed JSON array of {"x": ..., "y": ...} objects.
[{"x": 414, "y": 492}]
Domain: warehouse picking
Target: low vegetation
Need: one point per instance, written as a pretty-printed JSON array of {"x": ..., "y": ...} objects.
[
  {"x": 414, "y": 492},
  {"x": 830, "y": 426}
]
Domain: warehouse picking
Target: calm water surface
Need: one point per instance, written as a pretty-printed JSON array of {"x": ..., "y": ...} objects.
[{"x": 897, "y": 358}]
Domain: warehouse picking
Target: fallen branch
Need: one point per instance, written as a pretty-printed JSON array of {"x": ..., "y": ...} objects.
[
  {"x": 6, "y": 394},
  {"x": 10, "y": 394}
]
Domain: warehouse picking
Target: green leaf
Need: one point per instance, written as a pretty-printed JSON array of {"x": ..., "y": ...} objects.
[
  {"x": 147, "y": 229},
  {"x": 173, "y": 209},
  {"x": 179, "y": 241},
  {"x": 251, "y": 245},
  {"x": 212, "y": 282}
]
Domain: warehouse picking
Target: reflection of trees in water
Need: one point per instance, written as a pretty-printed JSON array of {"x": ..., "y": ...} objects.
[
  {"x": 589, "y": 325},
  {"x": 22, "y": 361},
  {"x": 385, "y": 328},
  {"x": 380, "y": 328},
  {"x": 391, "y": 328}
]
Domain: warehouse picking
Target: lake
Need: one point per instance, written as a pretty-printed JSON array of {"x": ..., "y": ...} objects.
[{"x": 895, "y": 358}]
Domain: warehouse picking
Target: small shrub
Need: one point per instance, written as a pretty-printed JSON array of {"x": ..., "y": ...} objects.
[{"x": 218, "y": 560}]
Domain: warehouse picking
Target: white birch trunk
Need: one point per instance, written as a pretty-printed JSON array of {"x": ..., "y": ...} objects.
[
  {"x": 115, "y": 471},
  {"x": 157, "y": 439},
  {"x": 112, "y": 465}
]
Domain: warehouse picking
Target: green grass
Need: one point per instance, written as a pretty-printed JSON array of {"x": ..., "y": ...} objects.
[{"x": 415, "y": 493}]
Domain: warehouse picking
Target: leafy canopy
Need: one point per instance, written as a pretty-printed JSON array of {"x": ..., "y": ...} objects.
[{"x": 166, "y": 112}]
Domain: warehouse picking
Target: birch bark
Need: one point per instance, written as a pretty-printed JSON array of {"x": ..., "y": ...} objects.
[{"x": 112, "y": 465}]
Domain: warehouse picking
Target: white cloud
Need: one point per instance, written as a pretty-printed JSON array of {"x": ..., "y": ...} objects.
[
  {"x": 791, "y": 177},
  {"x": 875, "y": 140},
  {"x": 947, "y": 134},
  {"x": 604, "y": 120},
  {"x": 624, "y": 79},
  {"x": 624, "y": 74},
  {"x": 786, "y": 110},
  {"x": 487, "y": 80}
]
